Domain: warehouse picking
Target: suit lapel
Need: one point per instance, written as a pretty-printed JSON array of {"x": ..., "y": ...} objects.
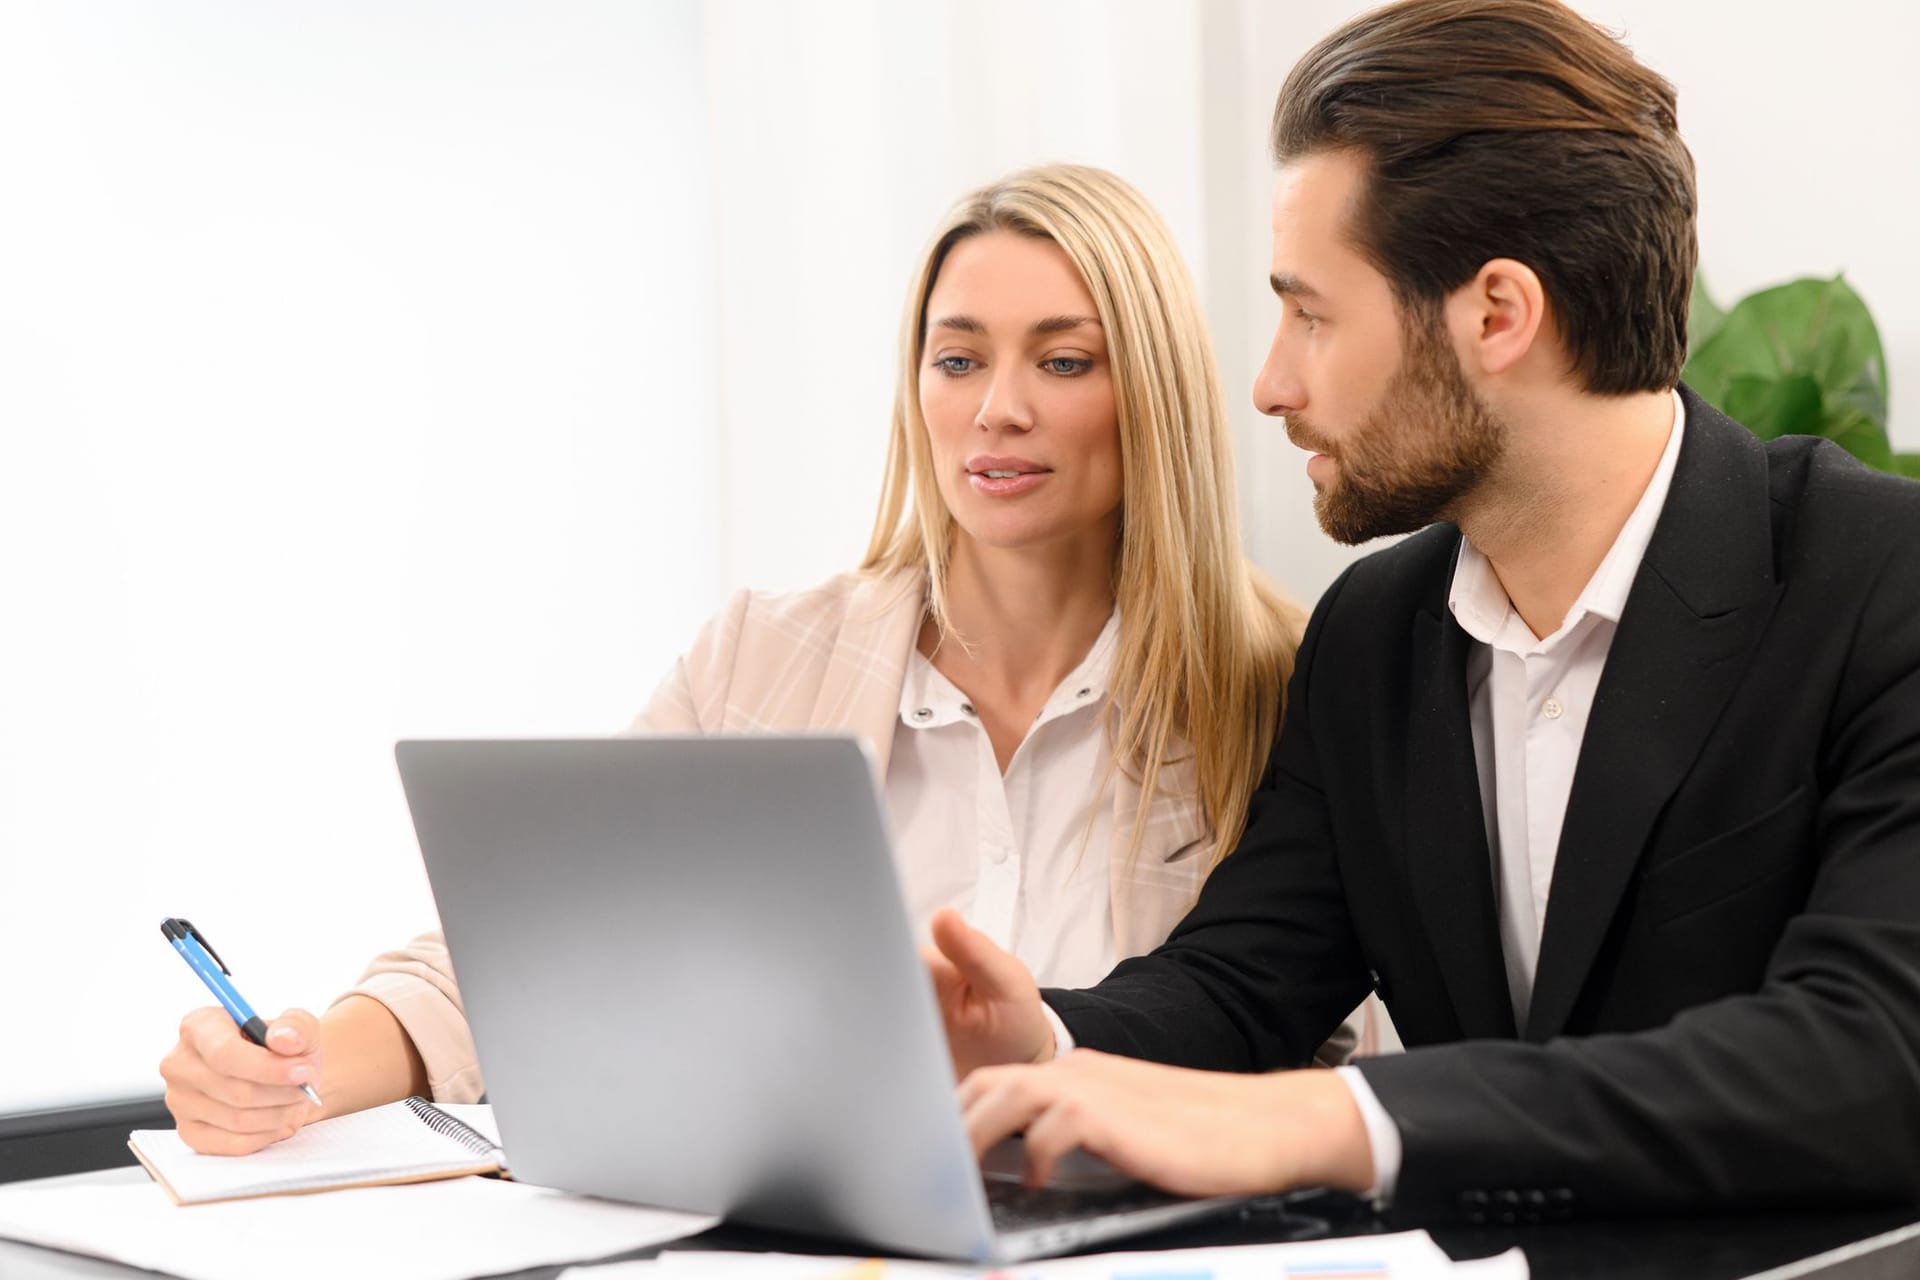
[
  {"x": 1698, "y": 606},
  {"x": 1147, "y": 895},
  {"x": 860, "y": 688},
  {"x": 1448, "y": 863}
]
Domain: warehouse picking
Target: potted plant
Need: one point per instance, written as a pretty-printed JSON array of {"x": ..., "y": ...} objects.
[{"x": 1802, "y": 358}]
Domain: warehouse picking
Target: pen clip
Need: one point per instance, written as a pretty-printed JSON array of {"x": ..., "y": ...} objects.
[{"x": 177, "y": 927}]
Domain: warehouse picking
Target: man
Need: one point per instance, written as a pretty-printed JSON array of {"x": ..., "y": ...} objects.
[{"x": 1608, "y": 782}]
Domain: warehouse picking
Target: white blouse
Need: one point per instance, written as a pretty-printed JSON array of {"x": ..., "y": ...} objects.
[{"x": 1023, "y": 855}]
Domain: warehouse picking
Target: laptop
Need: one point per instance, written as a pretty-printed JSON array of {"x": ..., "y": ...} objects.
[{"x": 693, "y": 983}]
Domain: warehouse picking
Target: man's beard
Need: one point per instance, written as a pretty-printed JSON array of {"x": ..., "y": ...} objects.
[{"x": 1427, "y": 443}]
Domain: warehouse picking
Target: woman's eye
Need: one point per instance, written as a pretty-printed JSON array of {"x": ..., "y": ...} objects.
[
  {"x": 953, "y": 366},
  {"x": 1066, "y": 366}
]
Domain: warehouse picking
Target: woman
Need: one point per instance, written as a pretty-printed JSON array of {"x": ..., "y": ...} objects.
[{"x": 1067, "y": 672}]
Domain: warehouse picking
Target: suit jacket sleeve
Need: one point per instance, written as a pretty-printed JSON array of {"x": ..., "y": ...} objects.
[
  {"x": 1266, "y": 964},
  {"x": 1803, "y": 1091}
]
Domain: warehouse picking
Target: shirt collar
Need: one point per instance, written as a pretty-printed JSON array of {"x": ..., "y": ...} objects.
[
  {"x": 1481, "y": 606},
  {"x": 929, "y": 700}
]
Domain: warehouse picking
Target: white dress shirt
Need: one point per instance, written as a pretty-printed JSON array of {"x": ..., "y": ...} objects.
[
  {"x": 1528, "y": 698},
  {"x": 1022, "y": 855}
]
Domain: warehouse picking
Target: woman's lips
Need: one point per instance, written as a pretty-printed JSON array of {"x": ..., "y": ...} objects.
[{"x": 1000, "y": 482}]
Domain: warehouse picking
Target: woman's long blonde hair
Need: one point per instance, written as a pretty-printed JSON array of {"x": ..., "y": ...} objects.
[{"x": 1206, "y": 644}]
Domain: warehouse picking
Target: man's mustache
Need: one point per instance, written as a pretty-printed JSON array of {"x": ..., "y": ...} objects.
[{"x": 1303, "y": 436}]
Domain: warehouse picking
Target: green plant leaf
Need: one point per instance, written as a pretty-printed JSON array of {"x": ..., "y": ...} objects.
[
  {"x": 1775, "y": 406},
  {"x": 1814, "y": 328},
  {"x": 1859, "y": 435},
  {"x": 1704, "y": 315},
  {"x": 1907, "y": 464}
]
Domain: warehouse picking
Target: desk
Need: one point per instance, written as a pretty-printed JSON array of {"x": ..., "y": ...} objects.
[{"x": 1879, "y": 1245}]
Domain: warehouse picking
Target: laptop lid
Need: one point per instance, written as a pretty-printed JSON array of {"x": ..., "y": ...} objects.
[{"x": 690, "y": 974}]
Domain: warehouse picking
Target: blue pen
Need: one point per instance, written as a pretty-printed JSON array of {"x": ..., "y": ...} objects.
[{"x": 205, "y": 961}]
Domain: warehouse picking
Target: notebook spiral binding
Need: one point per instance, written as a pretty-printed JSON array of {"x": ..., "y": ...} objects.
[{"x": 450, "y": 1127}]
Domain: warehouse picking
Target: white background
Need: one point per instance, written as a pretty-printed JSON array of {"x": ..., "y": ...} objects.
[{"x": 383, "y": 369}]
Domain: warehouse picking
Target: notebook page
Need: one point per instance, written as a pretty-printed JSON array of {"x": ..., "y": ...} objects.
[
  {"x": 384, "y": 1144},
  {"x": 427, "y": 1231}
]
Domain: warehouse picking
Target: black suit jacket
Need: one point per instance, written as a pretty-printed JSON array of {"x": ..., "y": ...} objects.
[{"x": 1727, "y": 1004}]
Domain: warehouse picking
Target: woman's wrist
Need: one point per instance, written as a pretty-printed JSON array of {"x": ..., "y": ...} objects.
[{"x": 366, "y": 1057}]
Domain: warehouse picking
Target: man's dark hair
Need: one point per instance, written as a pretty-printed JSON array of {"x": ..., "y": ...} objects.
[{"x": 1512, "y": 129}]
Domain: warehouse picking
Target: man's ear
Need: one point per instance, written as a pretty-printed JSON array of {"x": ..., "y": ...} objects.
[{"x": 1497, "y": 317}]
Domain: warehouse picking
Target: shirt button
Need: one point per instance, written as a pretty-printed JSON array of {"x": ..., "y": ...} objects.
[
  {"x": 967, "y": 707},
  {"x": 923, "y": 713},
  {"x": 1552, "y": 709},
  {"x": 997, "y": 853}
]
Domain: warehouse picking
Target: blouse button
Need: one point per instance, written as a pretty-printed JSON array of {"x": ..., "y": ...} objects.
[{"x": 923, "y": 713}]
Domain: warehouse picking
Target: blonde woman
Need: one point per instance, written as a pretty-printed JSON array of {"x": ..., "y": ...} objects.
[{"x": 1067, "y": 672}]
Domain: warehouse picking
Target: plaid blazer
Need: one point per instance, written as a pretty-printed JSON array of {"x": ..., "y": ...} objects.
[{"x": 830, "y": 658}]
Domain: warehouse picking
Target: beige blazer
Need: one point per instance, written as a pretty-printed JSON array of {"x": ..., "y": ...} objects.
[{"x": 830, "y": 658}]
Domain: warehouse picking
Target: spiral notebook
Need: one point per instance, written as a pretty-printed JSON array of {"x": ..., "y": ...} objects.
[{"x": 408, "y": 1141}]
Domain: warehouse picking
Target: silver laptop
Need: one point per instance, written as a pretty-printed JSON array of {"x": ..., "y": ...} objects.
[{"x": 692, "y": 983}]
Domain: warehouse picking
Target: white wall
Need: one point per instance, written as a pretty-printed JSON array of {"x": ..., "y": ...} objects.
[
  {"x": 830, "y": 170},
  {"x": 347, "y": 352}
]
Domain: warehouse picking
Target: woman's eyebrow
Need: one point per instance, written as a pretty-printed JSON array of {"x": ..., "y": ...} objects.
[
  {"x": 965, "y": 324},
  {"x": 1051, "y": 324},
  {"x": 1061, "y": 324}
]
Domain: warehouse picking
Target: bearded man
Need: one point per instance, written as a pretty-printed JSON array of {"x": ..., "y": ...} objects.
[{"x": 1607, "y": 780}]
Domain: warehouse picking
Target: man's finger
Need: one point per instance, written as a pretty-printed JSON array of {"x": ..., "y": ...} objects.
[
  {"x": 945, "y": 977},
  {"x": 1062, "y": 1127},
  {"x": 992, "y": 973},
  {"x": 1003, "y": 1105}
]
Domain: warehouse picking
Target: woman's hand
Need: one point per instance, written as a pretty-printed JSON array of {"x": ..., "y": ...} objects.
[{"x": 230, "y": 1096}]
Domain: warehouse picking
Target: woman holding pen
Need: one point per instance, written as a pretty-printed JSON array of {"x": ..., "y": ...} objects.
[{"x": 1067, "y": 672}]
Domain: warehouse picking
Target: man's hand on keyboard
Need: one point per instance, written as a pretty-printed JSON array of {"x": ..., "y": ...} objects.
[{"x": 1195, "y": 1133}]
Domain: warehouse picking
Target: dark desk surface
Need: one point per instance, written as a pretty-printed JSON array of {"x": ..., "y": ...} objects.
[
  {"x": 1724, "y": 1248},
  {"x": 1776, "y": 1246},
  {"x": 1882, "y": 1245}
]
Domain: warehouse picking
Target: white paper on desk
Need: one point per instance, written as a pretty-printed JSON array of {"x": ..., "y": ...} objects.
[
  {"x": 1407, "y": 1255},
  {"x": 696, "y": 1264},
  {"x": 425, "y": 1231}
]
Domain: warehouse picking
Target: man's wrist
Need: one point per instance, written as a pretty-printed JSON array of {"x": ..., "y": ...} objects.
[
  {"x": 1321, "y": 1116},
  {"x": 1059, "y": 1040},
  {"x": 1383, "y": 1135}
]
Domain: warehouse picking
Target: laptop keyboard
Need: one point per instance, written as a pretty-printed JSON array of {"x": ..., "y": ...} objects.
[{"x": 1016, "y": 1206}]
